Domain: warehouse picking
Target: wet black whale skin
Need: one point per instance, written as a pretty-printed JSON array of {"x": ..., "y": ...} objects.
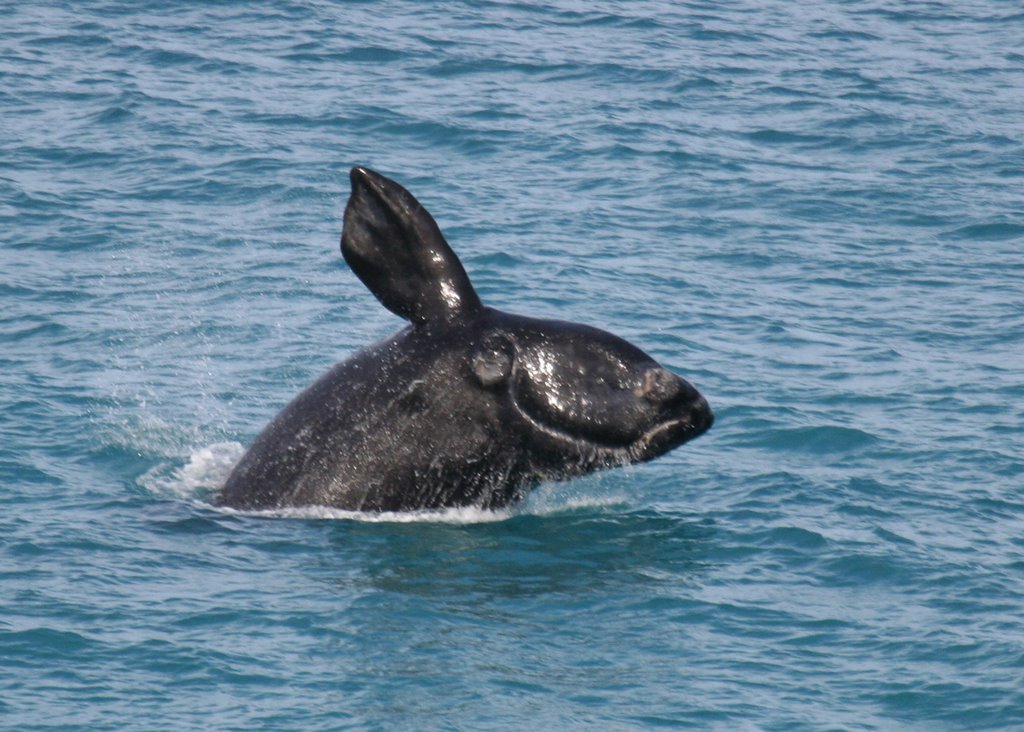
[{"x": 467, "y": 405}]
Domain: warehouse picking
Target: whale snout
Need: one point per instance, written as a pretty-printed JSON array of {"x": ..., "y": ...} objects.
[
  {"x": 693, "y": 417},
  {"x": 702, "y": 416},
  {"x": 682, "y": 413},
  {"x": 681, "y": 401}
]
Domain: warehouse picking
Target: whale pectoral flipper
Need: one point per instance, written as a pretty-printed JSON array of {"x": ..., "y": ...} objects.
[{"x": 396, "y": 248}]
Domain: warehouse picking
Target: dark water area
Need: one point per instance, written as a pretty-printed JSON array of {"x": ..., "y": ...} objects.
[{"x": 814, "y": 213}]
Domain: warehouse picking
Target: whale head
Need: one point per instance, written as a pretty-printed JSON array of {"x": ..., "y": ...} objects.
[{"x": 572, "y": 398}]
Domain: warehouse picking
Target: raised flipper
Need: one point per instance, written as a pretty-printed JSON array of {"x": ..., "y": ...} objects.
[{"x": 396, "y": 248}]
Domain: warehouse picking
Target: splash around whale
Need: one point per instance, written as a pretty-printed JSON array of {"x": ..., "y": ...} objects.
[{"x": 466, "y": 406}]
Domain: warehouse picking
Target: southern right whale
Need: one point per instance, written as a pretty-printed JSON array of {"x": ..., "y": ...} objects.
[{"x": 467, "y": 405}]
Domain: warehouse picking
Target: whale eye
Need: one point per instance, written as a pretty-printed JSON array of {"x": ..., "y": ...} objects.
[{"x": 492, "y": 363}]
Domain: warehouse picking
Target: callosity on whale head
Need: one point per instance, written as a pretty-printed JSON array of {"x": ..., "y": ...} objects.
[{"x": 468, "y": 405}]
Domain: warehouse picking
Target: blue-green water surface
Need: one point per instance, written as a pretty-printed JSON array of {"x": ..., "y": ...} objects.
[{"x": 815, "y": 212}]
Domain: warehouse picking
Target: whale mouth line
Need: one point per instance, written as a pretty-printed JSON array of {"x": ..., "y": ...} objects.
[
  {"x": 672, "y": 433},
  {"x": 666, "y": 426},
  {"x": 680, "y": 426},
  {"x": 560, "y": 432},
  {"x": 633, "y": 449}
]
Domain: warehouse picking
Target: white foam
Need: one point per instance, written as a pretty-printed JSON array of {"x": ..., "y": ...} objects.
[
  {"x": 582, "y": 494},
  {"x": 460, "y": 515},
  {"x": 545, "y": 501},
  {"x": 590, "y": 493},
  {"x": 200, "y": 479},
  {"x": 204, "y": 473}
]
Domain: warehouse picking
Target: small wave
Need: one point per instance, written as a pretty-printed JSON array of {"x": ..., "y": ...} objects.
[
  {"x": 817, "y": 440},
  {"x": 988, "y": 231}
]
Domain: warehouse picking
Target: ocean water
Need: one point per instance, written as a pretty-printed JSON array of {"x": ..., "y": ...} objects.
[{"x": 813, "y": 212}]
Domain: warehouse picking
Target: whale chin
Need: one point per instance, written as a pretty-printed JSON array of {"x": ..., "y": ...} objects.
[{"x": 671, "y": 433}]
